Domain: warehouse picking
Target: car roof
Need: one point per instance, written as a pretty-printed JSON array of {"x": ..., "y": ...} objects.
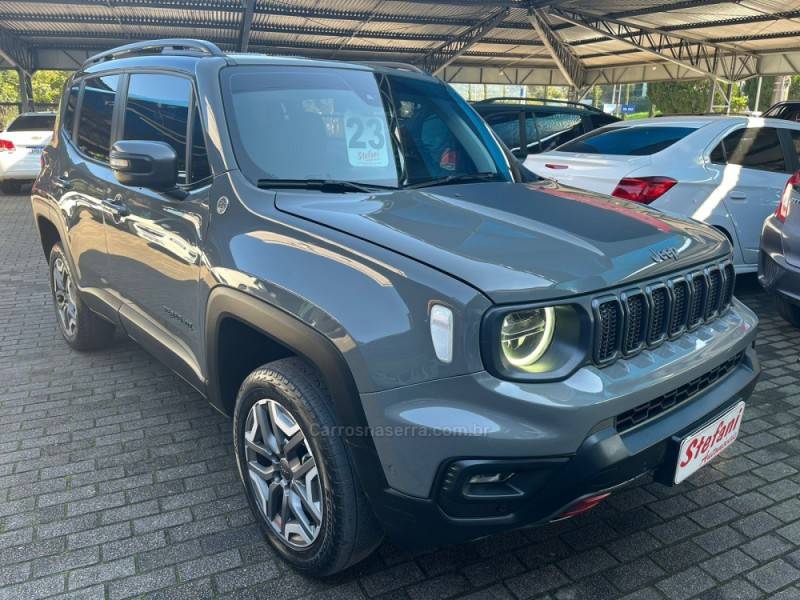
[
  {"x": 187, "y": 60},
  {"x": 702, "y": 121}
]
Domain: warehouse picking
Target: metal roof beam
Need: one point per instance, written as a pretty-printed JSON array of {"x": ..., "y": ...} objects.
[
  {"x": 313, "y": 30},
  {"x": 15, "y": 51},
  {"x": 247, "y": 23},
  {"x": 701, "y": 57},
  {"x": 565, "y": 58},
  {"x": 442, "y": 56}
]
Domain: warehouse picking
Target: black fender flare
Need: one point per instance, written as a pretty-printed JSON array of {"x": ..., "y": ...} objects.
[{"x": 310, "y": 345}]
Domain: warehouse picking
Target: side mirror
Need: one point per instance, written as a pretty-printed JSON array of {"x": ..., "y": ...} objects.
[{"x": 141, "y": 163}]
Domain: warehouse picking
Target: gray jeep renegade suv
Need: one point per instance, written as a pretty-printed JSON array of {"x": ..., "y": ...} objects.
[{"x": 412, "y": 337}]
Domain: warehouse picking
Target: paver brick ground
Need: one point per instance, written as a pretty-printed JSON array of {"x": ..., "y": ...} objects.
[{"x": 118, "y": 481}]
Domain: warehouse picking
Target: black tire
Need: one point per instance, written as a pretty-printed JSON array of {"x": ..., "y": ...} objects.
[
  {"x": 90, "y": 332},
  {"x": 10, "y": 187},
  {"x": 790, "y": 312},
  {"x": 348, "y": 531}
]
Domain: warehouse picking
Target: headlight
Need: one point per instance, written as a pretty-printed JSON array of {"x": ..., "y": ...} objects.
[
  {"x": 536, "y": 343},
  {"x": 526, "y": 335}
]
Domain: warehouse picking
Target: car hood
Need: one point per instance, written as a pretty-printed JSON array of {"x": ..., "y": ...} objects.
[{"x": 517, "y": 242}]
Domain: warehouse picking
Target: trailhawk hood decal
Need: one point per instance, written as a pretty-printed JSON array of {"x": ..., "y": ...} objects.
[{"x": 517, "y": 242}]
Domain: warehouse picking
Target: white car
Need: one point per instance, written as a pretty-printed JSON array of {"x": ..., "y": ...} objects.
[
  {"x": 21, "y": 146},
  {"x": 727, "y": 171}
]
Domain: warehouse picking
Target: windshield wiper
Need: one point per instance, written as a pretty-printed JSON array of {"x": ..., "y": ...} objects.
[
  {"x": 324, "y": 185},
  {"x": 460, "y": 178}
]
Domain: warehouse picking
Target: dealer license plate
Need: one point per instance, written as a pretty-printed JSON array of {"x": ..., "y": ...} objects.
[{"x": 704, "y": 444}]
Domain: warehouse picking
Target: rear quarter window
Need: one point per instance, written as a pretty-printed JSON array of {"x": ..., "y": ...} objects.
[{"x": 627, "y": 141}]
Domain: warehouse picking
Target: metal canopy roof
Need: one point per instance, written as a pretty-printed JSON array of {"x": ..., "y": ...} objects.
[{"x": 574, "y": 42}]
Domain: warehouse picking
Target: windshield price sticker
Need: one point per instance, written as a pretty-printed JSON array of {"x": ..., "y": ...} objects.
[{"x": 366, "y": 141}]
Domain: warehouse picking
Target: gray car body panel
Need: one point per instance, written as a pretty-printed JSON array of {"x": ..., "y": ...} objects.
[
  {"x": 502, "y": 237},
  {"x": 363, "y": 270}
]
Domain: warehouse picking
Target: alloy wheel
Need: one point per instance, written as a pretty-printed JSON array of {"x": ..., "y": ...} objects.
[
  {"x": 65, "y": 295},
  {"x": 283, "y": 474}
]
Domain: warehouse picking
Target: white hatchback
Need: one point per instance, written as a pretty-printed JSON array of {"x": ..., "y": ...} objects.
[
  {"x": 727, "y": 171},
  {"x": 21, "y": 146}
]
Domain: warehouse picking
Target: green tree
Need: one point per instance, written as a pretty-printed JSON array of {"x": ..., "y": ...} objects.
[
  {"x": 679, "y": 97},
  {"x": 47, "y": 86}
]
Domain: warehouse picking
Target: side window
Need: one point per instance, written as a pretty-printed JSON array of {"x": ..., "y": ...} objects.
[
  {"x": 70, "y": 107},
  {"x": 506, "y": 126},
  {"x": 753, "y": 147},
  {"x": 97, "y": 108},
  {"x": 157, "y": 110},
  {"x": 557, "y": 128},
  {"x": 199, "y": 161}
]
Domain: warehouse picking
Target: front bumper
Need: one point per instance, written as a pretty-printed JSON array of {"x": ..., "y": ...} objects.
[{"x": 562, "y": 436}]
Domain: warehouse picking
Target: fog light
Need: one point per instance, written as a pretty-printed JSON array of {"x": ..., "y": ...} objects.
[{"x": 490, "y": 478}]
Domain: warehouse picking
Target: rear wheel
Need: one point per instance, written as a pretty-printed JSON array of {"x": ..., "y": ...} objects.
[
  {"x": 81, "y": 328},
  {"x": 297, "y": 472},
  {"x": 9, "y": 187},
  {"x": 790, "y": 312}
]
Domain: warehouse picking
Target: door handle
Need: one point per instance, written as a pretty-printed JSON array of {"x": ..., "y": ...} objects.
[
  {"x": 118, "y": 209},
  {"x": 62, "y": 183},
  {"x": 737, "y": 196}
]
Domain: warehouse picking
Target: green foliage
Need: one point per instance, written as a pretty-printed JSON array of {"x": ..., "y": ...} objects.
[
  {"x": 47, "y": 86},
  {"x": 680, "y": 97}
]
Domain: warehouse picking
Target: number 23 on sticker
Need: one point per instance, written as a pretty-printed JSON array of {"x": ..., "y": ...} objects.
[{"x": 366, "y": 141}]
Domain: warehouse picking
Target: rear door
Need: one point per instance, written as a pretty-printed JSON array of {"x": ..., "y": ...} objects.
[
  {"x": 82, "y": 179},
  {"x": 756, "y": 169},
  {"x": 154, "y": 238}
]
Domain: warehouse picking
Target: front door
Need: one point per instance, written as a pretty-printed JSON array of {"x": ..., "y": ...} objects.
[{"x": 155, "y": 238}]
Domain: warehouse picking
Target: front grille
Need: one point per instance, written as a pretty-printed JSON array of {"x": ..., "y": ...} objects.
[
  {"x": 646, "y": 316},
  {"x": 636, "y": 306},
  {"x": 658, "y": 320},
  {"x": 730, "y": 282},
  {"x": 680, "y": 306},
  {"x": 714, "y": 291},
  {"x": 649, "y": 410},
  {"x": 609, "y": 319},
  {"x": 698, "y": 310}
]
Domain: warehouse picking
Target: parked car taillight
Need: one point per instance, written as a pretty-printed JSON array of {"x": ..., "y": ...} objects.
[
  {"x": 793, "y": 185},
  {"x": 6, "y": 145},
  {"x": 643, "y": 189}
]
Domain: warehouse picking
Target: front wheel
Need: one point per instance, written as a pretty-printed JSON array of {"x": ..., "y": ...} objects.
[
  {"x": 297, "y": 471},
  {"x": 81, "y": 328}
]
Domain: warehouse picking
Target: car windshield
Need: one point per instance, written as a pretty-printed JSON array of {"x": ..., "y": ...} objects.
[
  {"x": 323, "y": 125},
  {"x": 627, "y": 140},
  {"x": 33, "y": 123}
]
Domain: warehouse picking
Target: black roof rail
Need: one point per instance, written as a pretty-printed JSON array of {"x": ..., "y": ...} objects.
[
  {"x": 389, "y": 64},
  {"x": 155, "y": 46},
  {"x": 545, "y": 101}
]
